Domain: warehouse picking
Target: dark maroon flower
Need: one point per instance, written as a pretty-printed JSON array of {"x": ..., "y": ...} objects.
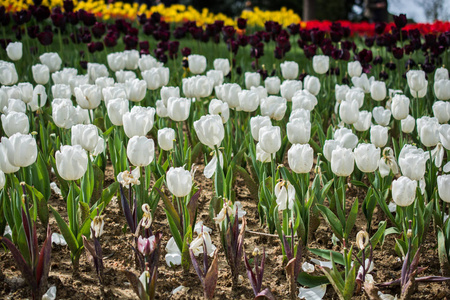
[
  {"x": 391, "y": 66},
  {"x": 179, "y": 32},
  {"x": 59, "y": 20},
  {"x": 161, "y": 35},
  {"x": 86, "y": 38},
  {"x": 336, "y": 36},
  {"x": 242, "y": 23},
  {"x": 133, "y": 31},
  {"x": 173, "y": 48},
  {"x": 365, "y": 56},
  {"x": 98, "y": 30},
  {"x": 144, "y": 45},
  {"x": 228, "y": 32},
  {"x": 22, "y": 17},
  {"x": 283, "y": 41},
  {"x": 196, "y": 32},
  {"x": 41, "y": 13},
  {"x": 278, "y": 53},
  {"x": 409, "y": 64},
  {"x": 81, "y": 53},
  {"x": 384, "y": 75},
  {"x": 234, "y": 47},
  {"x": 378, "y": 60},
  {"x": 305, "y": 35},
  {"x": 149, "y": 28},
  {"x": 265, "y": 36},
  {"x": 110, "y": 40},
  {"x": 4, "y": 16},
  {"x": 45, "y": 38},
  {"x": 337, "y": 71},
  {"x": 257, "y": 51},
  {"x": 243, "y": 40},
  {"x": 294, "y": 28},
  {"x": 186, "y": 51},
  {"x": 155, "y": 17},
  {"x": 130, "y": 42},
  {"x": 33, "y": 31},
  {"x": 71, "y": 17},
  {"x": 276, "y": 29},
  {"x": 83, "y": 64},
  {"x": 219, "y": 24},
  {"x": 211, "y": 29},
  {"x": 397, "y": 52},
  {"x": 254, "y": 39},
  {"x": 310, "y": 51},
  {"x": 380, "y": 27},
  {"x": 317, "y": 36},
  {"x": 430, "y": 39},
  {"x": 268, "y": 26},
  {"x": 263, "y": 73},
  {"x": 205, "y": 37},
  {"x": 91, "y": 47},
  {"x": 87, "y": 18},
  {"x": 400, "y": 21},
  {"x": 381, "y": 40},
  {"x": 239, "y": 70},
  {"x": 122, "y": 25},
  {"x": 369, "y": 41},
  {"x": 144, "y": 52},
  {"x": 68, "y": 5},
  {"x": 164, "y": 46},
  {"x": 428, "y": 67}
]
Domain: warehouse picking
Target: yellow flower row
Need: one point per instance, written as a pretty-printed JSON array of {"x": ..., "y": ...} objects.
[{"x": 174, "y": 13}]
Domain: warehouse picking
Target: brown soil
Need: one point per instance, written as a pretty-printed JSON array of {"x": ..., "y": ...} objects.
[{"x": 116, "y": 246}]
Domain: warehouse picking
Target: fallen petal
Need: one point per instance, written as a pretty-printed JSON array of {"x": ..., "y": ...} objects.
[{"x": 315, "y": 293}]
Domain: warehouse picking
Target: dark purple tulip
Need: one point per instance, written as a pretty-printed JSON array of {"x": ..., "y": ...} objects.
[
  {"x": 186, "y": 51},
  {"x": 430, "y": 39},
  {"x": 242, "y": 23},
  {"x": 265, "y": 36},
  {"x": 41, "y": 13},
  {"x": 216, "y": 38},
  {"x": 444, "y": 40},
  {"x": 130, "y": 42},
  {"x": 211, "y": 29},
  {"x": 71, "y": 17},
  {"x": 155, "y": 17},
  {"x": 276, "y": 29},
  {"x": 243, "y": 40},
  {"x": 162, "y": 35},
  {"x": 59, "y": 20},
  {"x": 337, "y": 71},
  {"x": 164, "y": 46},
  {"x": 228, "y": 32},
  {"x": 327, "y": 49},
  {"x": 163, "y": 25},
  {"x": 45, "y": 37},
  {"x": 17, "y": 30},
  {"x": 179, "y": 32},
  {"x": 142, "y": 19},
  {"x": 257, "y": 51},
  {"x": 254, "y": 40},
  {"x": 163, "y": 58},
  {"x": 347, "y": 31},
  {"x": 83, "y": 64},
  {"x": 144, "y": 45},
  {"x": 68, "y": 6},
  {"x": 205, "y": 37},
  {"x": 283, "y": 41},
  {"x": 87, "y": 18},
  {"x": 219, "y": 24},
  {"x": 173, "y": 47},
  {"x": 294, "y": 28},
  {"x": 110, "y": 40},
  {"x": 400, "y": 21},
  {"x": 234, "y": 47},
  {"x": 149, "y": 28},
  {"x": 5, "y": 17},
  {"x": 122, "y": 25},
  {"x": 22, "y": 17},
  {"x": 86, "y": 38},
  {"x": 268, "y": 26},
  {"x": 99, "y": 46},
  {"x": 33, "y": 31},
  {"x": 428, "y": 67},
  {"x": 336, "y": 36},
  {"x": 384, "y": 75},
  {"x": 391, "y": 66},
  {"x": 365, "y": 56},
  {"x": 369, "y": 41},
  {"x": 305, "y": 35},
  {"x": 348, "y": 45},
  {"x": 133, "y": 31},
  {"x": 263, "y": 73},
  {"x": 380, "y": 27},
  {"x": 196, "y": 32},
  {"x": 310, "y": 51},
  {"x": 98, "y": 30},
  {"x": 381, "y": 40},
  {"x": 378, "y": 60},
  {"x": 239, "y": 70},
  {"x": 317, "y": 36},
  {"x": 91, "y": 47},
  {"x": 144, "y": 52},
  {"x": 409, "y": 64},
  {"x": 397, "y": 52},
  {"x": 81, "y": 53}
]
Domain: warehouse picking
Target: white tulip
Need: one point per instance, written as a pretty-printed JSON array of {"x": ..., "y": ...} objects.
[
  {"x": 256, "y": 123},
  {"x": 289, "y": 87},
  {"x": 51, "y": 60},
  {"x": 312, "y": 84},
  {"x": 301, "y": 158},
  {"x": 252, "y": 79},
  {"x": 408, "y": 124},
  {"x": 14, "y": 51},
  {"x": 272, "y": 85},
  {"x": 15, "y": 122},
  {"x": 367, "y": 157},
  {"x": 364, "y": 121},
  {"x": 379, "y": 135},
  {"x": 354, "y": 69},
  {"x": 197, "y": 63},
  {"x": 404, "y": 191},
  {"x": 222, "y": 64},
  {"x": 289, "y": 70},
  {"x": 41, "y": 73},
  {"x": 218, "y": 107},
  {"x": 382, "y": 116},
  {"x": 273, "y": 107}
]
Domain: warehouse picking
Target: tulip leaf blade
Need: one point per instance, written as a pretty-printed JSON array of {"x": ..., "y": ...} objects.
[
  {"x": 174, "y": 230},
  {"x": 333, "y": 220},
  {"x": 65, "y": 231},
  {"x": 41, "y": 180},
  {"x": 351, "y": 219}
]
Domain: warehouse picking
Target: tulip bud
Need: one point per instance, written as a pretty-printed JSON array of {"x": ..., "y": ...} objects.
[
  {"x": 51, "y": 60},
  {"x": 123, "y": 76},
  {"x": 367, "y": 157},
  {"x": 442, "y": 89},
  {"x": 404, "y": 191},
  {"x": 428, "y": 130},
  {"x": 312, "y": 84},
  {"x": 379, "y": 135},
  {"x": 256, "y": 123},
  {"x": 86, "y": 136},
  {"x": 261, "y": 155},
  {"x": 416, "y": 80},
  {"x": 441, "y": 73},
  {"x": 298, "y": 131},
  {"x": 285, "y": 195},
  {"x": 216, "y": 76},
  {"x": 179, "y": 181},
  {"x": 289, "y": 88},
  {"x": 362, "y": 239},
  {"x": 272, "y": 85},
  {"x": 342, "y": 161},
  {"x": 131, "y": 59},
  {"x": 248, "y": 100},
  {"x": 400, "y": 107},
  {"x": 289, "y": 70},
  {"x": 210, "y": 130},
  {"x": 301, "y": 158},
  {"x": 97, "y": 225},
  {"x": 274, "y": 107},
  {"x": 140, "y": 151},
  {"x": 408, "y": 124},
  {"x": 378, "y": 90},
  {"x": 270, "y": 139},
  {"x": 304, "y": 99},
  {"x": 382, "y": 116},
  {"x": 364, "y": 121},
  {"x": 444, "y": 135},
  {"x": 260, "y": 91},
  {"x": 252, "y": 79},
  {"x": 146, "y": 245},
  {"x": 443, "y": 183},
  {"x": 21, "y": 149},
  {"x": 15, "y": 122},
  {"x": 349, "y": 111},
  {"x": 354, "y": 69},
  {"x": 321, "y": 64},
  {"x": 166, "y": 137},
  {"x": 222, "y": 64},
  {"x": 346, "y": 138},
  {"x": 217, "y": 107},
  {"x": 116, "y": 109},
  {"x": 441, "y": 110},
  {"x": 178, "y": 108},
  {"x": 71, "y": 162},
  {"x": 114, "y": 92},
  {"x": 136, "y": 89},
  {"x": 5, "y": 166},
  {"x": 139, "y": 121},
  {"x": 14, "y": 51},
  {"x": 197, "y": 63},
  {"x": 41, "y": 73},
  {"x": 88, "y": 96}
]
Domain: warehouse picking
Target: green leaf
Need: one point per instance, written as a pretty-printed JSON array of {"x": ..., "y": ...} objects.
[
  {"x": 351, "y": 218},
  {"x": 337, "y": 257},
  {"x": 41, "y": 205},
  {"x": 331, "y": 219},
  {"x": 174, "y": 230},
  {"x": 41, "y": 180},
  {"x": 65, "y": 231},
  {"x": 310, "y": 280}
]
